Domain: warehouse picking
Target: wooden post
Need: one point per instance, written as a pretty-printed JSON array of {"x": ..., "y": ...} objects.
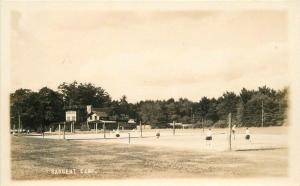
[
  {"x": 173, "y": 128},
  {"x": 229, "y": 123},
  {"x": 73, "y": 126},
  {"x": 59, "y": 130},
  {"x": 96, "y": 127},
  {"x": 64, "y": 136},
  {"x": 104, "y": 130},
  {"x": 128, "y": 138},
  {"x": 87, "y": 124},
  {"x": 43, "y": 130},
  {"x": 202, "y": 125},
  {"x": 262, "y": 114},
  {"x": 19, "y": 118},
  {"x": 141, "y": 129}
]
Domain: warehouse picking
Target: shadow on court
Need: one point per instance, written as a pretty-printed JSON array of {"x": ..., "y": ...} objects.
[
  {"x": 107, "y": 138},
  {"x": 262, "y": 149}
]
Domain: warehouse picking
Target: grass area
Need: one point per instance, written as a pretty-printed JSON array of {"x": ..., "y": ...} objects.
[{"x": 34, "y": 158}]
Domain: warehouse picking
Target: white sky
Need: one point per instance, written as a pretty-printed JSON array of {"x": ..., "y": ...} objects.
[{"x": 151, "y": 54}]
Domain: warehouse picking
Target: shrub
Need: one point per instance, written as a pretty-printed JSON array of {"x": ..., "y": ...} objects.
[
  {"x": 208, "y": 123},
  {"x": 221, "y": 124},
  {"x": 84, "y": 127}
]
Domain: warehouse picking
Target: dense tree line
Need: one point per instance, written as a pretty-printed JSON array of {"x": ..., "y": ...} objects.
[{"x": 38, "y": 110}]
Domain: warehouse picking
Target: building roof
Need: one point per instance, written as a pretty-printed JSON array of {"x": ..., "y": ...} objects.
[
  {"x": 103, "y": 121},
  {"x": 74, "y": 107},
  {"x": 101, "y": 112},
  {"x": 131, "y": 121}
]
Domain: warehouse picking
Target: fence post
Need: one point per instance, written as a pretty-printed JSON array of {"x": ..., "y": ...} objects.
[
  {"x": 73, "y": 126},
  {"x": 128, "y": 138},
  {"x": 59, "y": 130},
  {"x": 104, "y": 130},
  {"x": 173, "y": 128},
  {"x": 141, "y": 129},
  {"x": 262, "y": 114},
  {"x": 229, "y": 123},
  {"x": 202, "y": 122},
  {"x": 96, "y": 127},
  {"x": 64, "y": 130}
]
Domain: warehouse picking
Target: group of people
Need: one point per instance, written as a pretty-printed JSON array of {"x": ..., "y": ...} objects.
[
  {"x": 247, "y": 135},
  {"x": 233, "y": 131},
  {"x": 208, "y": 134}
]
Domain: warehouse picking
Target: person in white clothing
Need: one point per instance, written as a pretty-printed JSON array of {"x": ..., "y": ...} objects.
[
  {"x": 117, "y": 133},
  {"x": 233, "y": 131}
]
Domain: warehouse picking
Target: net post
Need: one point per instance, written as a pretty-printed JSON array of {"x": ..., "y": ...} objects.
[
  {"x": 173, "y": 128},
  {"x": 104, "y": 130},
  {"x": 96, "y": 127},
  {"x": 229, "y": 123},
  {"x": 128, "y": 138},
  {"x": 64, "y": 136},
  {"x": 141, "y": 130}
]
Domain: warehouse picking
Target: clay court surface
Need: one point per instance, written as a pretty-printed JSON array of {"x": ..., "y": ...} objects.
[
  {"x": 187, "y": 139},
  {"x": 89, "y": 155}
]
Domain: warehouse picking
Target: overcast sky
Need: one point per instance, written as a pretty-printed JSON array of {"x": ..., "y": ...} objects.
[{"x": 150, "y": 54}]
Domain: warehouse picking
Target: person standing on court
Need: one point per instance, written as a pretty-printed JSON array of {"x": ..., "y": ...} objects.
[
  {"x": 208, "y": 137},
  {"x": 247, "y": 137},
  {"x": 233, "y": 131},
  {"x": 157, "y": 134},
  {"x": 118, "y": 133}
]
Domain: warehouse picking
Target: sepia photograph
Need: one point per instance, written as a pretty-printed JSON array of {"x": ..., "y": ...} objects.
[{"x": 147, "y": 93}]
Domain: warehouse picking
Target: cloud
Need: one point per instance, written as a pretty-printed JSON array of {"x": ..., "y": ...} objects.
[{"x": 150, "y": 54}]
